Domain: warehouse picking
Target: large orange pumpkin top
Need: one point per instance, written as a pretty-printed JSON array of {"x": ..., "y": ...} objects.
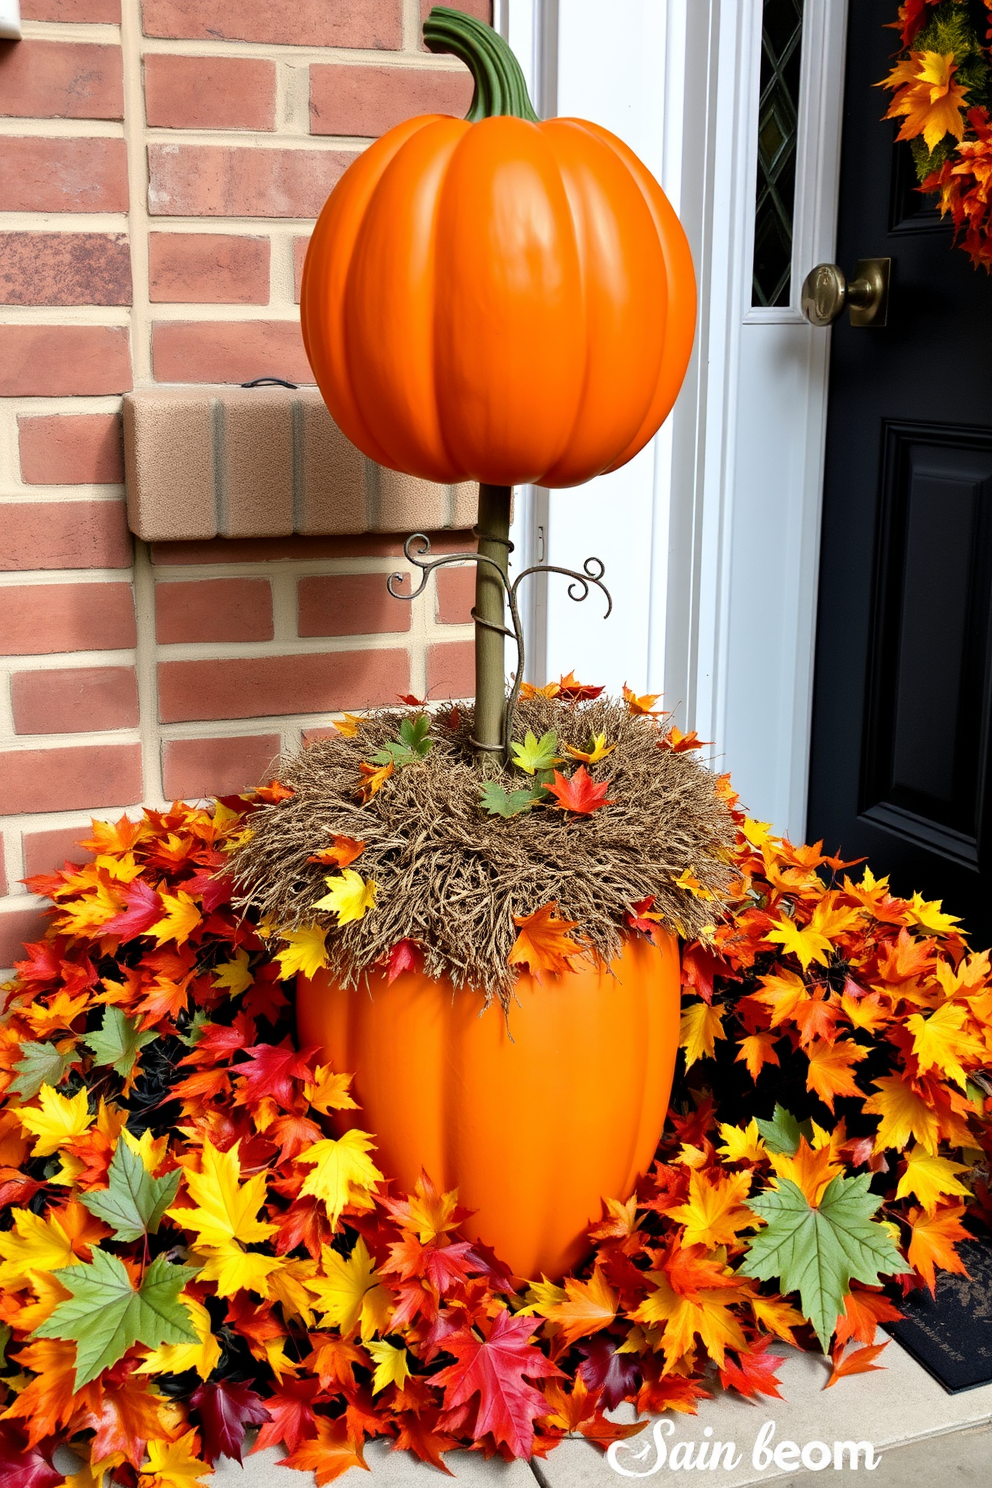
[{"x": 503, "y": 300}]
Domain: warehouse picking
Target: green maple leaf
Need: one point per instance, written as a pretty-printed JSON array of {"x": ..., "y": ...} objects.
[
  {"x": 411, "y": 745},
  {"x": 782, "y": 1133},
  {"x": 534, "y": 755},
  {"x": 134, "y": 1202},
  {"x": 817, "y": 1252},
  {"x": 195, "y": 1028},
  {"x": 40, "y": 1064},
  {"x": 500, "y": 802},
  {"x": 117, "y": 1041},
  {"x": 106, "y": 1315}
]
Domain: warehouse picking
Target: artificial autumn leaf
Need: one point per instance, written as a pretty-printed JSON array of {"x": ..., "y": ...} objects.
[
  {"x": 778, "y": 1316},
  {"x": 343, "y": 1173},
  {"x": 24, "y": 1467},
  {"x": 106, "y": 1315},
  {"x": 347, "y": 725},
  {"x": 329, "y": 1091},
  {"x": 273, "y": 1073},
  {"x": 930, "y": 1178},
  {"x": 349, "y": 1292},
  {"x": 579, "y": 793},
  {"x": 342, "y": 852},
  {"x": 496, "y": 1368},
  {"x": 680, "y": 743},
  {"x": 173, "y": 1464},
  {"x": 756, "y": 1050},
  {"x": 830, "y": 1069},
  {"x": 329, "y": 1454},
  {"x": 373, "y": 778},
  {"x": 182, "y": 915},
  {"x": 811, "y": 1170},
  {"x": 58, "y": 1119},
  {"x": 742, "y": 1144},
  {"x": 405, "y": 955},
  {"x": 699, "y": 1028},
  {"x": 819, "y": 1251},
  {"x": 349, "y": 896},
  {"x": 133, "y": 1203},
  {"x": 640, "y": 707},
  {"x": 754, "y": 1373},
  {"x": 782, "y": 1133},
  {"x": 928, "y": 98},
  {"x": 588, "y": 1307},
  {"x": 707, "y": 1315},
  {"x": 597, "y": 749},
  {"x": 142, "y": 909},
  {"x": 174, "y": 1358},
  {"x": 805, "y": 942},
  {"x": 226, "y": 1410},
  {"x": 46, "y": 1403},
  {"x": 291, "y": 1415},
  {"x": 40, "y": 1064},
  {"x": 575, "y": 691},
  {"x": 391, "y": 1364},
  {"x": 933, "y": 1240},
  {"x": 941, "y": 1042},
  {"x": 305, "y": 952},
  {"x": 863, "y": 1311},
  {"x": 714, "y": 1214},
  {"x": 860, "y": 1361},
  {"x": 234, "y": 976},
  {"x": 543, "y": 943},
  {"x": 118, "y": 1041},
  {"x": 535, "y": 755},
  {"x": 498, "y": 801},
  {"x": 225, "y": 1208},
  {"x": 904, "y": 1114},
  {"x": 33, "y": 1244}
]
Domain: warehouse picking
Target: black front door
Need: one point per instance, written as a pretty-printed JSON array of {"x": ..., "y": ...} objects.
[{"x": 900, "y": 758}]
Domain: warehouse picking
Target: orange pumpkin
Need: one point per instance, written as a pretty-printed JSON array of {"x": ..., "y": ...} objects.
[
  {"x": 533, "y": 1124},
  {"x": 503, "y": 300}
]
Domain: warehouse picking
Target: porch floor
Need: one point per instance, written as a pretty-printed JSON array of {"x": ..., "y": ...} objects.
[{"x": 899, "y": 1409}]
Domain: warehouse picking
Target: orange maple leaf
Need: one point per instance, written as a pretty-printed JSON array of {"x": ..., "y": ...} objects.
[
  {"x": 756, "y": 1050},
  {"x": 810, "y": 1169},
  {"x": 543, "y": 943},
  {"x": 933, "y": 1239},
  {"x": 861, "y": 1361},
  {"x": 274, "y": 792},
  {"x": 329, "y": 1454},
  {"x": 640, "y": 707},
  {"x": 579, "y": 792},
  {"x": 342, "y": 852},
  {"x": 927, "y": 98},
  {"x": 373, "y": 779},
  {"x": 829, "y": 1072},
  {"x": 678, "y": 742},
  {"x": 590, "y": 1306},
  {"x": 528, "y": 690},
  {"x": 863, "y": 1311}
]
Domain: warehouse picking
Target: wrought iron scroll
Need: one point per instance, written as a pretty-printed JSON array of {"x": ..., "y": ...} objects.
[{"x": 578, "y": 590}]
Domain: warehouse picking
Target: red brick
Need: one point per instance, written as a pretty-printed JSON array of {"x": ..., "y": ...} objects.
[
  {"x": 240, "y": 181},
  {"x": 266, "y": 686},
  {"x": 41, "y": 619},
  {"x": 107, "y": 12},
  {"x": 65, "y": 534},
  {"x": 214, "y": 610},
  {"x": 44, "y": 361},
  {"x": 455, "y": 595},
  {"x": 193, "y": 768},
  {"x": 481, "y": 9},
  {"x": 18, "y": 927},
  {"x": 228, "y": 351},
  {"x": 349, "y": 604},
  {"x": 451, "y": 670},
  {"x": 61, "y": 80},
  {"x": 349, "y": 98},
  {"x": 300, "y": 246},
  {"x": 376, "y": 24},
  {"x": 208, "y": 269},
  {"x": 74, "y": 700},
  {"x": 209, "y": 92},
  {"x": 269, "y": 549},
  {"x": 63, "y": 175},
  {"x": 45, "y": 852},
  {"x": 71, "y": 449},
  {"x": 70, "y": 778},
  {"x": 64, "y": 268}
]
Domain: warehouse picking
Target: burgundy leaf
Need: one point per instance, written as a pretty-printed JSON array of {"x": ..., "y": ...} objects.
[
  {"x": 22, "y": 1466},
  {"x": 602, "y": 1368},
  {"x": 226, "y": 1411}
]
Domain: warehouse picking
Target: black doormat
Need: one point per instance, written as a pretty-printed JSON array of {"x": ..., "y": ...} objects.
[{"x": 951, "y": 1334}]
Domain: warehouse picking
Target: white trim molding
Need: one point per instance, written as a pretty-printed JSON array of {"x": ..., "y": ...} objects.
[{"x": 10, "y": 20}]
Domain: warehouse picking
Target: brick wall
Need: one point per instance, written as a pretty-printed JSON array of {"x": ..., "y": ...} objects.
[{"x": 160, "y": 168}]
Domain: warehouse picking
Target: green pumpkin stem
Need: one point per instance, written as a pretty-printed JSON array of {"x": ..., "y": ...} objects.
[{"x": 499, "y": 84}]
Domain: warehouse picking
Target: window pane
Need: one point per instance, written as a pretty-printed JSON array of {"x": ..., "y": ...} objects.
[{"x": 781, "y": 55}]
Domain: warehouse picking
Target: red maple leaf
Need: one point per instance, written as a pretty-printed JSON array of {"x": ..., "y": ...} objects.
[
  {"x": 273, "y": 793},
  {"x": 219, "y": 1041},
  {"x": 23, "y": 1467},
  {"x": 640, "y": 917},
  {"x": 420, "y": 1434},
  {"x": 272, "y": 1071},
  {"x": 290, "y": 1411},
  {"x": 43, "y": 962},
  {"x": 579, "y": 792},
  {"x": 496, "y": 1369},
  {"x": 212, "y": 889},
  {"x": 699, "y": 967},
  {"x": 126, "y": 1419},
  {"x": 754, "y": 1374},
  {"x": 226, "y": 1411},
  {"x": 142, "y": 908},
  {"x": 574, "y": 691},
  {"x": 405, "y": 955}
]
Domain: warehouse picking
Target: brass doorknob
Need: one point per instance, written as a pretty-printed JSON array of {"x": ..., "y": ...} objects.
[{"x": 826, "y": 293}]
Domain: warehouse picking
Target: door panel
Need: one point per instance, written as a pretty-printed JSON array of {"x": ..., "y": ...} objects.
[{"x": 900, "y": 736}]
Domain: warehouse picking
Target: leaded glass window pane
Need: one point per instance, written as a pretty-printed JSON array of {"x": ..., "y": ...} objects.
[{"x": 781, "y": 57}]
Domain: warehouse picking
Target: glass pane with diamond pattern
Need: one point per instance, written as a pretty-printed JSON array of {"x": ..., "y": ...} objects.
[{"x": 781, "y": 56}]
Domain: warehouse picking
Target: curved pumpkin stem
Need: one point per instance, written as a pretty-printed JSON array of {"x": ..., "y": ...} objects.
[{"x": 499, "y": 84}]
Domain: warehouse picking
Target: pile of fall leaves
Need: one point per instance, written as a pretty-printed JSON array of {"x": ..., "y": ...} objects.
[
  {"x": 942, "y": 87},
  {"x": 185, "y": 1253}
]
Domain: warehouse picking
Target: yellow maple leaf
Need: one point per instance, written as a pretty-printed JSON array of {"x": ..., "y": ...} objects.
[
  {"x": 349, "y": 1294},
  {"x": 57, "y": 1121},
  {"x": 806, "y": 942},
  {"x": 391, "y": 1367},
  {"x": 348, "y": 896},
  {"x": 173, "y": 1358},
  {"x": 237, "y": 1270},
  {"x": 927, "y": 913},
  {"x": 343, "y": 1172},
  {"x": 714, "y": 1212},
  {"x": 904, "y": 1114},
  {"x": 931, "y": 1178},
  {"x": 598, "y": 749},
  {"x": 347, "y": 725},
  {"x": 742, "y": 1144},
  {"x": 94, "y": 1474},
  {"x": 234, "y": 975},
  {"x": 287, "y": 1286},
  {"x": 305, "y": 951},
  {"x": 226, "y": 1208},
  {"x": 706, "y": 1315},
  {"x": 929, "y": 100},
  {"x": 34, "y": 1244},
  {"x": 586, "y": 1307},
  {"x": 941, "y": 1042},
  {"x": 182, "y": 915},
  {"x": 758, "y": 833},
  {"x": 98, "y": 904},
  {"x": 152, "y": 1150},
  {"x": 699, "y": 1028},
  {"x": 171, "y": 1464},
  {"x": 329, "y": 1091},
  {"x": 688, "y": 880},
  {"x": 777, "y": 1315}
]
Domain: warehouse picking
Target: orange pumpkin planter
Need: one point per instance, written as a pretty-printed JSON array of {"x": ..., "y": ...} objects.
[{"x": 533, "y": 1132}]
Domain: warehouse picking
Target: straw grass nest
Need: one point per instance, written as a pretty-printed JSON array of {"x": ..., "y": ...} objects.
[{"x": 451, "y": 878}]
